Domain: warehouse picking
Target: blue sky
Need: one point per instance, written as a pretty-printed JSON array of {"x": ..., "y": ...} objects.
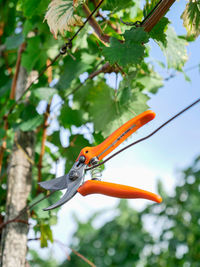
[{"x": 161, "y": 156}]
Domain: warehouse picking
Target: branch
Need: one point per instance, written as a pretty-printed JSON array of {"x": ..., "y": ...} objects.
[
  {"x": 116, "y": 28},
  {"x": 2, "y": 225},
  {"x": 158, "y": 13},
  {"x": 44, "y": 137},
  {"x": 92, "y": 21},
  {"x": 106, "y": 68},
  {"x": 12, "y": 96},
  {"x": 76, "y": 253},
  {"x": 3, "y": 146},
  {"x": 18, "y": 63},
  {"x": 45, "y": 126}
]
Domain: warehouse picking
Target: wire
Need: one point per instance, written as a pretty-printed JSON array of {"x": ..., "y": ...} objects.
[
  {"x": 139, "y": 23},
  {"x": 99, "y": 4},
  {"x": 151, "y": 12},
  {"x": 146, "y": 137},
  {"x": 28, "y": 207}
]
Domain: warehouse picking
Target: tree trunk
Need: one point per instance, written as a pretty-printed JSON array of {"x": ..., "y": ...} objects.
[{"x": 14, "y": 236}]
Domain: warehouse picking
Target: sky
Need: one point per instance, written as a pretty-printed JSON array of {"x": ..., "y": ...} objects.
[{"x": 162, "y": 156}]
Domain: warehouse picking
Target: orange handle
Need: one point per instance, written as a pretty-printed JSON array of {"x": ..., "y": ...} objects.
[
  {"x": 116, "y": 138},
  {"x": 116, "y": 190}
]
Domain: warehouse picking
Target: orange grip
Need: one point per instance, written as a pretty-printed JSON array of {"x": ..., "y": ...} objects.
[
  {"x": 117, "y": 137},
  {"x": 116, "y": 190}
]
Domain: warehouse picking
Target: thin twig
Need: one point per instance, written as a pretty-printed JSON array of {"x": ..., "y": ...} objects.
[
  {"x": 45, "y": 126},
  {"x": 88, "y": 18},
  {"x": 3, "y": 146},
  {"x": 18, "y": 63},
  {"x": 76, "y": 253},
  {"x": 44, "y": 137},
  {"x": 12, "y": 96},
  {"x": 28, "y": 207},
  {"x": 92, "y": 21},
  {"x": 13, "y": 221}
]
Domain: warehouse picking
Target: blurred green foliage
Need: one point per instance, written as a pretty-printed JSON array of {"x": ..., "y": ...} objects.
[
  {"x": 125, "y": 241},
  {"x": 79, "y": 104}
]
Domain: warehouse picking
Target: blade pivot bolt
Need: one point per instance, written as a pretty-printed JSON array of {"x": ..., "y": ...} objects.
[
  {"x": 81, "y": 159},
  {"x": 73, "y": 175}
]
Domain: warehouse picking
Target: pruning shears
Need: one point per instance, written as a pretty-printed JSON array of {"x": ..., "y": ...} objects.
[{"x": 90, "y": 157}]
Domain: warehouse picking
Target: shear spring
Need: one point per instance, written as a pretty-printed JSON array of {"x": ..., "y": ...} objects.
[{"x": 95, "y": 173}]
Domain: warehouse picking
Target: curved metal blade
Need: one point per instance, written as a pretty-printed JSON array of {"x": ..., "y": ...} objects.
[
  {"x": 71, "y": 191},
  {"x": 59, "y": 183}
]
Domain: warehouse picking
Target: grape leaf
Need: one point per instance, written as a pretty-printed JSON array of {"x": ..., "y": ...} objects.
[
  {"x": 151, "y": 82},
  {"x": 46, "y": 234},
  {"x": 5, "y": 89},
  {"x": 54, "y": 138},
  {"x": 60, "y": 16},
  {"x": 175, "y": 50},
  {"x": 38, "y": 209},
  {"x": 32, "y": 123},
  {"x": 109, "y": 111},
  {"x": 72, "y": 70},
  {"x": 31, "y": 8},
  {"x": 158, "y": 31},
  {"x": 131, "y": 51},
  {"x": 116, "y": 5},
  {"x": 69, "y": 117},
  {"x": 31, "y": 55},
  {"x": 13, "y": 42},
  {"x": 77, "y": 142},
  {"x": 44, "y": 93},
  {"x": 30, "y": 119},
  {"x": 191, "y": 18}
]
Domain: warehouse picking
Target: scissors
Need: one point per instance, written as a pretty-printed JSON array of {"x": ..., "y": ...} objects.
[{"x": 89, "y": 157}]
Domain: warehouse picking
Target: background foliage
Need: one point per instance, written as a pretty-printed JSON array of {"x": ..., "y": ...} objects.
[{"x": 81, "y": 109}]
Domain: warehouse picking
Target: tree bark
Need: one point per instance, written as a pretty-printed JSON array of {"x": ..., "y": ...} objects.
[{"x": 14, "y": 235}]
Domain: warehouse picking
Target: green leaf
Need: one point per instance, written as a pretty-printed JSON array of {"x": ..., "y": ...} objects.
[
  {"x": 158, "y": 31},
  {"x": 187, "y": 78},
  {"x": 13, "y": 42},
  {"x": 28, "y": 26},
  {"x": 77, "y": 142},
  {"x": 191, "y": 18},
  {"x": 72, "y": 70},
  {"x": 6, "y": 88},
  {"x": 109, "y": 111},
  {"x": 54, "y": 138},
  {"x": 46, "y": 235},
  {"x": 175, "y": 50},
  {"x": 116, "y": 5},
  {"x": 129, "y": 52},
  {"x": 151, "y": 82},
  {"x": 31, "y": 8},
  {"x": 136, "y": 35},
  {"x": 44, "y": 93},
  {"x": 2, "y": 135},
  {"x": 80, "y": 99},
  {"x": 31, "y": 124},
  {"x": 69, "y": 117},
  {"x": 38, "y": 209},
  {"x": 33, "y": 53},
  {"x": 30, "y": 119}
]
